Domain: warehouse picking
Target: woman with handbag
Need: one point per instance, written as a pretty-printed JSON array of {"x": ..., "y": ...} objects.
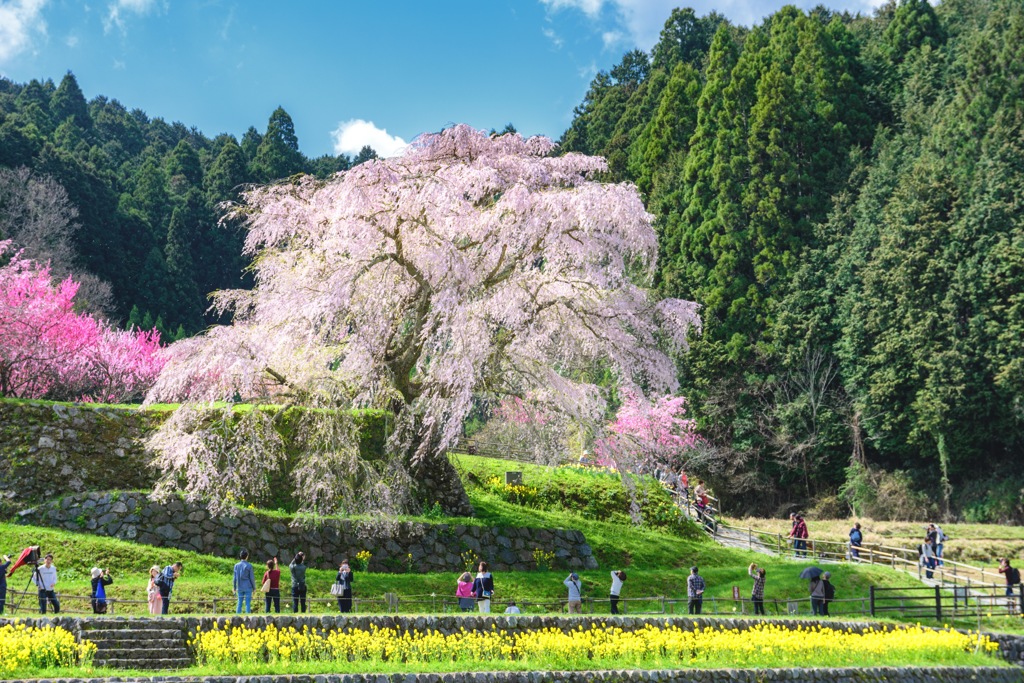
[
  {"x": 483, "y": 588},
  {"x": 271, "y": 587},
  {"x": 342, "y": 587}
]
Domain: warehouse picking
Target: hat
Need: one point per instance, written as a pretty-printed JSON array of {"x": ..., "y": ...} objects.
[
  {"x": 827, "y": 575},
  {"x": 96, "y": 571},
  {"x": 574, "y": 577},
  {"x": 693, "y": 569}
]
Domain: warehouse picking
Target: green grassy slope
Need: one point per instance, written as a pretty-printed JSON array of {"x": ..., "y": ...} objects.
[{"x": 657, "y": 560}]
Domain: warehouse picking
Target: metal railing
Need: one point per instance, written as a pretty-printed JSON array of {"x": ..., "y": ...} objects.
[{"x": 945, "y": 572}]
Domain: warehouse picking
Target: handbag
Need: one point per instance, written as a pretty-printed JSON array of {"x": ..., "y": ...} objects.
[
  {"x": 265, "y": 588},
  {"x": 337, "y": 588}
]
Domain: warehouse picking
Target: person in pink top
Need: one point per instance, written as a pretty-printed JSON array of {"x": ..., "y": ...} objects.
[
  {"x": 464, "y": 592},
  {"x": 155, "y": 601}
]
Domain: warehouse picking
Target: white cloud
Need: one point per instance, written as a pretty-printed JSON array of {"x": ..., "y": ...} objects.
[
  {"x": 611, "y": 38},
  {"x": 72, "y": 41},
  {"x": 351, "y": 136},
  {"x": 550, "y": 34},
  {"x": 19, "y": 20},
  {"x": 117, "y": 10},
  {"x": 589, "y": 7}
]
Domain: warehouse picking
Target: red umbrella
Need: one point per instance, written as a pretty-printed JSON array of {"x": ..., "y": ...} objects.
[{"x": 29, "y": 555}]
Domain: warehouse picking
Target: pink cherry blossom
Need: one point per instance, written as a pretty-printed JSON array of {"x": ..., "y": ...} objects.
[{"x": 471, "y": 265}]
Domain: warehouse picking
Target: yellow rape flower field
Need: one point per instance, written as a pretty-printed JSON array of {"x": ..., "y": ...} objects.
[
  {"x": 243, "y": 650},
  {"x": 24, "y": 648}
]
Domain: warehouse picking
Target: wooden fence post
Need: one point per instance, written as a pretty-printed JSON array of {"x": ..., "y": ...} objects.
[
  {"x": 938, "y": 604},
  {"x": 871, "y": 599}
]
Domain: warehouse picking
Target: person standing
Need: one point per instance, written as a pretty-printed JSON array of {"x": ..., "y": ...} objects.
[
  {"x": 153, "y": 591},
  {"x": 927, "y": 551},
  {"x": 757, "y": 592},
  {"x": 1012, "y": 574},
  {"x": 344, "y": 577},
  {"x": 856, "y": 541},
  {"x": 684, "y": 487},
  {"x": 101, "y": 578},
  {"x": 618, "y": 577},
  {"x": 297, "y": 568},
  {"x": 817, "y": 596},
  {"x": 695, "y": 591},
  {"x": 4, "y": 566},
  {"x": 483, "y": 588},
  {"x": 940, "y": 542},
  {"x": 575, "y": 600},
  {"x": 800, "y": 534},
  {"x": 464, "y": 592},
  {"x": 273, "y": 592},
  {"x": 165, "y": 580},
  {"x": 243, "y": 583},
  {"x": 828, "y": 592},
  {"x": 45, "y": 578}
]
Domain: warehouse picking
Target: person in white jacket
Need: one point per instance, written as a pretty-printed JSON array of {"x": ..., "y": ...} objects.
[
  {"x": 45, "y": 578},
  {"x": 618, "y": 577}
]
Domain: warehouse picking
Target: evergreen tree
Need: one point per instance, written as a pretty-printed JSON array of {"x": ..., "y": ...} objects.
[
  {"x": 69, "y": 102},
  {"x": 278, "y": 153}
]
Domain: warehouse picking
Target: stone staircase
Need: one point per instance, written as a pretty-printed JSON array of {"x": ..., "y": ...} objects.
[{"x": 145, "y": 644}]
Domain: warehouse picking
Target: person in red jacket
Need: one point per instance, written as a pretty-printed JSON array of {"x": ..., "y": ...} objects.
[{"x": 799, "y": 534}]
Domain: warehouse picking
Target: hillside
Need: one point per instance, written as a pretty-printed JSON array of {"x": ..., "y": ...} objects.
[
  {"x": 842, "y": 194},
  {"x": 657, "y": 562}
]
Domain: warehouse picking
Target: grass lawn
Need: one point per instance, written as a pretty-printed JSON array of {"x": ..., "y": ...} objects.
[{"x": 657, "y": 560}]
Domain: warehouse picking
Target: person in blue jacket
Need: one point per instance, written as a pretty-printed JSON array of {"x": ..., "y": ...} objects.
[{"x": 244, "y": 583}]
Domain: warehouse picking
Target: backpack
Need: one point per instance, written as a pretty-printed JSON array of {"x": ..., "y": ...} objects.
[
  {"x": 830, "y": 590},
  {"x": 1014, "y": 575}
]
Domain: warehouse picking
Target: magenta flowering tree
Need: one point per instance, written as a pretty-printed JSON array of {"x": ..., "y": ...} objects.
[
  {"x": 648, "y": 435},
  {"x": 48, "y": 350},
  {"x": 471, "y": 265}
]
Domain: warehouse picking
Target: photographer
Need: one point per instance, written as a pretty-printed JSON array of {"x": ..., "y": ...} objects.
[
  {"x": 45, "y": 578},
  {"x": 100, "y": 579}
]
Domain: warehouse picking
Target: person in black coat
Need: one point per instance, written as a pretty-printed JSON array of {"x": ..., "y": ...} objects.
[
  {"x": 345, "y": 579},
  {"x": 100, "y": 577},
  {"x": 4, "y": 566}
]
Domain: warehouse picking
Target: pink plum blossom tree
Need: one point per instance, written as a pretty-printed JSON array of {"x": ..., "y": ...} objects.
[
  {"x": 470, "y": 265},
  {"x": 48, "y": 350},
  {"x": 648, "y": 435}
]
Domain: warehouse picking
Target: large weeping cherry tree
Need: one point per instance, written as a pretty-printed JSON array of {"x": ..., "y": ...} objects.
[{"x": 471, "y": 265}]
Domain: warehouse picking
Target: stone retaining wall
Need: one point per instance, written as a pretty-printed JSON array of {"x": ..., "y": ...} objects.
[
  {"x": 872, "y": 675},
  {"x": 48, "y": 449},
  {"x": 400, "y": 546}
]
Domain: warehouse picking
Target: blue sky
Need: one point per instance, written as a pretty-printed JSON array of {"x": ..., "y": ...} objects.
[{"x": 349, "y": 73}]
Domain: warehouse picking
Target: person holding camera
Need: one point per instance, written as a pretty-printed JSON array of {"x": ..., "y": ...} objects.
[
  {"x": 575, "y": 601},
  {"x": 297, "y": 567},
  {"x": 757, "y": 592},
  {"x": 1012, "y": 574},
  {"x": 4, "y": 566},
  {"x": 101, "y": 578},
  {"x": 344, "y": 581}
]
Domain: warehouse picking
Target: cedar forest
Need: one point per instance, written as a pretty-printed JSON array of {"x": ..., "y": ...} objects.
[{"x": 841, "y": 194}]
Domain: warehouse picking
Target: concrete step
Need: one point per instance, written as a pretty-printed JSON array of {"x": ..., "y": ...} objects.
[
  {"x": 147, "y": 665},
  {"x": 127, "y": 653},
  {"x": 121, "y": 644},
  {"x": 129, "y": 634},
  {"x": 131, "y": 624}
]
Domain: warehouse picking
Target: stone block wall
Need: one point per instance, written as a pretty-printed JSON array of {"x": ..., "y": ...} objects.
[
  {"x": 50, "y": 449},
  {"x": 191, "y": 526}
]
